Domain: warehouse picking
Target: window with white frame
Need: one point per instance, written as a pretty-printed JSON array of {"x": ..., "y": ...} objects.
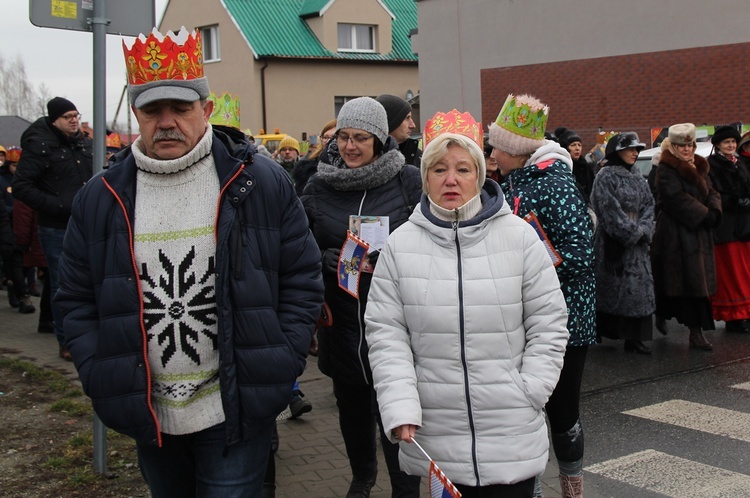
[
  {"x": 210, "y": 36},
  {"x": 356, "y": 37}
]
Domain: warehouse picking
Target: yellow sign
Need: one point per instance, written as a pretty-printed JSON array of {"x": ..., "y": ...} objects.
[{"x": 68, "y": 10}]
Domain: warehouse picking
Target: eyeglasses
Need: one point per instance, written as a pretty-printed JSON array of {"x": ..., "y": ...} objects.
[
  {"x": 71, "y": 117},
  {"x": 326, "y": 138},
  {"x": 344, "y": 138}
]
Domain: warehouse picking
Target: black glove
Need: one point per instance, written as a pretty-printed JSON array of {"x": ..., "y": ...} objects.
[
  {"x": 331, "y": 260},
  {"x": 712, "y": 219},
  {"x": 744, "y": 203},
  {"x": 372, "y": 257}
]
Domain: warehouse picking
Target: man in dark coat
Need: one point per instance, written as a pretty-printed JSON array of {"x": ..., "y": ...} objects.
[
  {"x": 190, "y": 286},
  {"x": 56, "y": 162},
  {"x": 400, "y": 127}
]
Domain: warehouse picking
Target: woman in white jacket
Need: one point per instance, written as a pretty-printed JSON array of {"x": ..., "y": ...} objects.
[{"x": 466, "y": 325}]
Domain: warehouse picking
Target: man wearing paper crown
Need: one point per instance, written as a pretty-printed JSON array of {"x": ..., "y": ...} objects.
[
  {"x": 466, "y": 325},
  {"x": 540, "y": 187},
  {"x": 190, "y": 285}
]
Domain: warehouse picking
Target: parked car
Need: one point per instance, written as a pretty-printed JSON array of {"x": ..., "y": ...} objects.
[{"x": 644, "y": 158}]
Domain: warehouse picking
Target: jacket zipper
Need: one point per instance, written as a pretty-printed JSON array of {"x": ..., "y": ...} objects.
[
  {"x": 141, "y": 322},
  {"x": 462, "y": 335}
]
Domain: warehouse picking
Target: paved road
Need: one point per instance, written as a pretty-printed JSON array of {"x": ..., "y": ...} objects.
[{"x": 676, "y": 423}]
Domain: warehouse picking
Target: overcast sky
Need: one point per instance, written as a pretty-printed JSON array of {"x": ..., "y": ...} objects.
[{"x": 63, "y": 59}]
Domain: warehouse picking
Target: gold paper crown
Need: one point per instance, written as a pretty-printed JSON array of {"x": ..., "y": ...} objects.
[
  {"x": 524, "y": 116},
  {"x": 226, "y": 110},
  {"x": 454, "y": 122},
  {"x": 159, "y": 58}
]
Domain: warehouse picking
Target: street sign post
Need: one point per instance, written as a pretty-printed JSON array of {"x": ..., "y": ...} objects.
[
  {"x": 118, "y": 17},
  {"x": 126, "y": 17}
]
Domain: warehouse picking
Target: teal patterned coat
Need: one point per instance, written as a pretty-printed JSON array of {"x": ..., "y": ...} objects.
[{"x": 546, "y": 187}]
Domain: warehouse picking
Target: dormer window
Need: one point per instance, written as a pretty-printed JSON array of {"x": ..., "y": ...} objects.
[{"x": 356, "y": 37}]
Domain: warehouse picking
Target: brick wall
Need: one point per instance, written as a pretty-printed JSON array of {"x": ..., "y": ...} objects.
[{"x": 707, "y": 85}]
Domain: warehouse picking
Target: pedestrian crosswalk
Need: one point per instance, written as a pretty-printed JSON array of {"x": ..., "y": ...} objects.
[
  {"x": 674, "y": 476},
  {"x": 699, "y": 417}
]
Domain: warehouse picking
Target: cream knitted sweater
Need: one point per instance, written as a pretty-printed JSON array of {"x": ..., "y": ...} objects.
[{"x": 175, "y": 212}]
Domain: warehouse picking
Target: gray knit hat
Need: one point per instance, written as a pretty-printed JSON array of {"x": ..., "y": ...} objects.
[{"x": 364, "y": 113}]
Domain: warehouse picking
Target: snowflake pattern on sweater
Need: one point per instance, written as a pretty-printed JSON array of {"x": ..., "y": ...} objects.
[{"x": 180, "y": 306}]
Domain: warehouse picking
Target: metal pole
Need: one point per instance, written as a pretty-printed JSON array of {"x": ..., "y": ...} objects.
[{"x": 99, "y": 26}]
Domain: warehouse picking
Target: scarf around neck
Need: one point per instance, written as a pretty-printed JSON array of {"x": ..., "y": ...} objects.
[{"x": 379, "y": 172}]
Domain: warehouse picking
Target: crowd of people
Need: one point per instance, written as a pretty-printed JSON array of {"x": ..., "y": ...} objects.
[{"x": 451, "y": 293}]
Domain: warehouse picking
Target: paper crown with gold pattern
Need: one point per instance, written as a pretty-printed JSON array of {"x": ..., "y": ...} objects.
[
  {"x": 13, "y": 154},
  {"x": 226, "y": 110},
  {"x": 460, "y": 123},
  {"x": 165, "y": 67},
  {"x": 519, "y": 128}
]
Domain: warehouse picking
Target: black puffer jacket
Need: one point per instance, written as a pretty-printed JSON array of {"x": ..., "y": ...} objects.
[
  {"x": 268, "y": 293},
  {"x": 52, "y": 169},
  {"x": 342, "y": 347}
]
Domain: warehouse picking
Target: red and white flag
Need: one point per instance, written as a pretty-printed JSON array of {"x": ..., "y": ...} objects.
[{"x": 440, "y": 485}]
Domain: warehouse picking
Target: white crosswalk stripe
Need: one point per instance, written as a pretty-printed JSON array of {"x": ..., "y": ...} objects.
[
  {"x": 744, "y": 385},
  {"x": 699, "y": 417},
  {"x": 673, "y": 476}
]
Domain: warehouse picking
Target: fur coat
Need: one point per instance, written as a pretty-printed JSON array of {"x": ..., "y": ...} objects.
[
  {"x": 624, "y": 208},
  {"x": 682, "y": 252}
]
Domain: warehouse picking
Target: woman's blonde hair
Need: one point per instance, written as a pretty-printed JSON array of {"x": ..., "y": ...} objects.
[{"x": 438, "y": 148}]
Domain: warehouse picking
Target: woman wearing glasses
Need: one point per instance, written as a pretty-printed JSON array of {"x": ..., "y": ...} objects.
[{"x": 360, "y": 174}]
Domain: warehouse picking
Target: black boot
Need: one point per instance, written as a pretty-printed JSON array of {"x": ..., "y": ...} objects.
[
  {"x": 362, "y": 485},
  {"x": 12, "y": 298},
  {"x": 632, "y": 346},
  {"x": 738, "y": 326}
]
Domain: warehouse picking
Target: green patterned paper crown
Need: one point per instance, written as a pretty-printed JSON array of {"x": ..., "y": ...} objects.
[
  {"x": 226, "y": 110},
  {"x": 524, "y": 116}
]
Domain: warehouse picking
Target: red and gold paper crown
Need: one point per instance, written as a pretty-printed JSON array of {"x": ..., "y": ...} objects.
[
  {"x": 113, "y": 140},
  {"x": 461, "y": 123},
  {"x": 13, "y": 154},
  {"x": 170, "y": 57}
]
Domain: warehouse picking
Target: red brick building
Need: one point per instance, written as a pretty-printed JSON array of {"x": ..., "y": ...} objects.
[{"x": 705, "y": 86}]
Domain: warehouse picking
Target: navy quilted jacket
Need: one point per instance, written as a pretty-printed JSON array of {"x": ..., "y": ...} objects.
[{"x": 268, "y": 292}]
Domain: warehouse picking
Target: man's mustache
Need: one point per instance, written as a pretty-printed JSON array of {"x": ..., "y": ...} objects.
[{"x": 168, "y": 135}]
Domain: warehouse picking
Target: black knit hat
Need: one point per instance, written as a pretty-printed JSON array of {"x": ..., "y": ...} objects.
[
  {"x": 59, "y": 106},
  {"x": 721, "y": 133},
  {"x": 396, "y": 108},
  {"x": 567, "y": 138}
]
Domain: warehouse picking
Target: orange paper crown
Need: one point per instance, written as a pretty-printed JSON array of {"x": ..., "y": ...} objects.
[
  {"x": 461, "y": 123},
  {"x": 13, "y": 154},
  {"x": 113, "y": 140},
  {"x": 170, "y": 57}
]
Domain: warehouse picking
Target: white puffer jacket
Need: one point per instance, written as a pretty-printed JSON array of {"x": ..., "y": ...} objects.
[{"x": 467, "y": 332}]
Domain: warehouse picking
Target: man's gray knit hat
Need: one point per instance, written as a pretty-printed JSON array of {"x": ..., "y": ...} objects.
[{"x": 364, "y": 113}]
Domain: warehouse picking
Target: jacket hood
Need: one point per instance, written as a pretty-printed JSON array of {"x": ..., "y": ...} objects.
[
  {"x": 550, "y": 151},
  {"x": 493, "y": 205}
]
